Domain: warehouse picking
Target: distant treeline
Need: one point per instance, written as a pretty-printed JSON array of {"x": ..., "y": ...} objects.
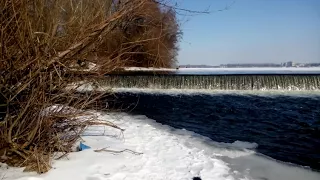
[
  {"x": 254, "y": 65},
  {"x": 312, "y": 65},
  {"x": 273, "y": 65}
]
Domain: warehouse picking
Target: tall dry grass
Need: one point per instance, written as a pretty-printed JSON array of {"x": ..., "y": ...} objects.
[{"x": 41, "y": 39}]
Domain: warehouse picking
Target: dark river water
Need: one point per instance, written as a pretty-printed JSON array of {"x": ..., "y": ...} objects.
[{"x": 286, "y": 128}]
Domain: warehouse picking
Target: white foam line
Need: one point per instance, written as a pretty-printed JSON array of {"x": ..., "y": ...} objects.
[
  {"x": 84, "y": 87},
  {"x": 213, "y": 92}
]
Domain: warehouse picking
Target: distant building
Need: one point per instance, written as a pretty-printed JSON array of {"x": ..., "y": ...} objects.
[{"x": 289, "y": 64}]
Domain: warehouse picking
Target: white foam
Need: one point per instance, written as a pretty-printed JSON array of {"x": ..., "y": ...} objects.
[
  {"x": 208, "y": 92},
  {"x": 87, "y": 86}
]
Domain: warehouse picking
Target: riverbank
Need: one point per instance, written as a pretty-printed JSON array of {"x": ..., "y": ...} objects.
[{"x": 148, "y": 150}]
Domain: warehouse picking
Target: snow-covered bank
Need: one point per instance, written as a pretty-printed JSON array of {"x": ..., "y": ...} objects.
[
  {"x": 227, "y": 69},
  {"x": 168, "y": 154},
  {"x": 252, "y": 70}
]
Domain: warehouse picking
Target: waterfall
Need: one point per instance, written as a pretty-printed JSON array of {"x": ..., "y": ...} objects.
[{"x": 214, "y": 82}]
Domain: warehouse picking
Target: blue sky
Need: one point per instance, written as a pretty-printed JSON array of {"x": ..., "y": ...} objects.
[{"x": 251, "y": 31}]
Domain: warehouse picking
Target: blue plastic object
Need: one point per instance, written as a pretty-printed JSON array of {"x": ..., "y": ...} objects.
[{"x": 83, "y": 147}]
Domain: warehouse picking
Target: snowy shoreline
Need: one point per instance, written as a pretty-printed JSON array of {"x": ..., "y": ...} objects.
[
  {"x": 224, "y": 69},
  {"x": 168, "y": 154}
]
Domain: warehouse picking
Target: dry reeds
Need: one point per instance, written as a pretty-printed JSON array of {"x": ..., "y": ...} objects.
[{"x": 41, "y": 39}]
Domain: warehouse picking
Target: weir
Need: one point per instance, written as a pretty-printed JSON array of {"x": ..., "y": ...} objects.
[{"x": 291, "y": 82}]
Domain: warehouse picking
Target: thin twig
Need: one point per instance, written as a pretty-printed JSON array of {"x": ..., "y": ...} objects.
[{"x": 118, "y": 152}]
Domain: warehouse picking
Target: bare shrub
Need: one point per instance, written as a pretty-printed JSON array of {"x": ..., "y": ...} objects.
[
  {"x": 146, "y": 38},
  {"x": 41, "y": 39}
]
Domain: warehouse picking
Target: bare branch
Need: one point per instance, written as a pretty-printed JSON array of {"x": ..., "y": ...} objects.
[{"x": 189, "y": 11}]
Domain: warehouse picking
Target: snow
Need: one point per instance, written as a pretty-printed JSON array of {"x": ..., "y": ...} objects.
[
  {"x": 90, "y": 67},
  {"x": 262, "y": 70},
  {"x": 148, "y": 69},
  {"x": 224, "y": 69},
  {"x": 167, "y": 154}
]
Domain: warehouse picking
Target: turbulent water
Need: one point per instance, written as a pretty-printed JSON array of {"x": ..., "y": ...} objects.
[
  {"x": 215, "y": 82},
  {"x": 284, "y": 127}
]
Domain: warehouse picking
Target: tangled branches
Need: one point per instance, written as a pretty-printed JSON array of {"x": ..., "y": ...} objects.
[{"x": 42, "y": 40}]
